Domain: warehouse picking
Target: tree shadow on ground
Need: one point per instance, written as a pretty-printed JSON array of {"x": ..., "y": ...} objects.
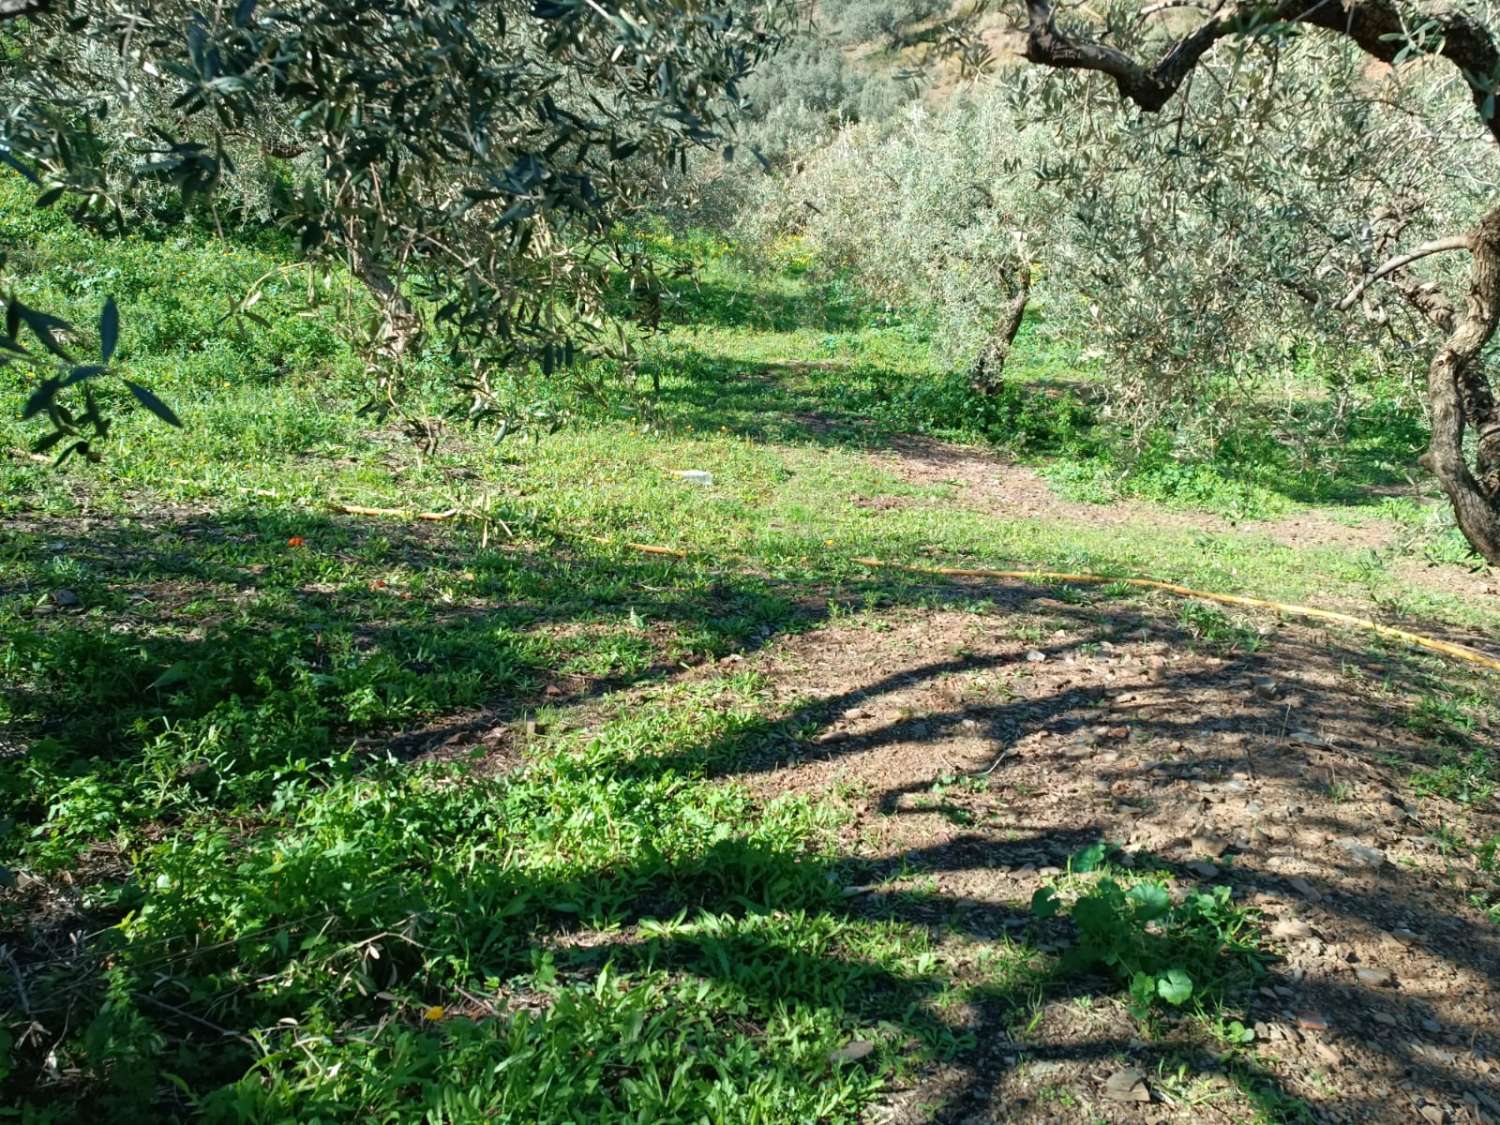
[{"x": 327, "y": 613}]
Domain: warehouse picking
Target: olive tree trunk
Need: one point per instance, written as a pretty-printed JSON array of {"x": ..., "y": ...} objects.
[
  {"x": 1459, "y": 396},
  {"x": 989, "y": 368}
]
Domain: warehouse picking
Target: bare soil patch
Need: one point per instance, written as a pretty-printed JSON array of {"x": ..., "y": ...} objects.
[
  {"x": 978, "y": 750},
  {"x": 1009, "y": 490}
]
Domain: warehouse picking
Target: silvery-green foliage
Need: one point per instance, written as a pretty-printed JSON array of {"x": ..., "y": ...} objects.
[
  {"x": 1196, "y": 254},
  {"x": 795, "y": 102},
  {"x": 807, "y": 92},
  {"x": 932, "y": 209},
  {"x": 835, "y": 72},
  {"x": 252, "y": 168},
  {"x": 889, "y": 22},
  {"x": 480, "y": 157},
  {"x": 1208, "y": 247}
]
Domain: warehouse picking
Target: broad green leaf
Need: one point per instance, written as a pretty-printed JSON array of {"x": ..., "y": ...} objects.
[
  {"x": 1142, "y": 990},
  {"x": 1151, "y": 901},
  {"x": 1175, "y": 986}
]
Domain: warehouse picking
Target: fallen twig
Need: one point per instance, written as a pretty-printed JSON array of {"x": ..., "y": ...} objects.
[{"x": 392, "y": 513}]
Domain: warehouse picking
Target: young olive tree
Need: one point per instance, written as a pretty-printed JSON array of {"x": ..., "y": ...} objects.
[
  {"x": 1443, "y": 56},
  {"x": 930, "y": 209},
  {"x": 470, "y": 162}
]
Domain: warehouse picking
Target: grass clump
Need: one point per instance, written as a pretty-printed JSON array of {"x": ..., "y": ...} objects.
[{"x": 1191, "y": 953}]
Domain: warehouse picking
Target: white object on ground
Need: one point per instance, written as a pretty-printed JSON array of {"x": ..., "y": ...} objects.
[{"x": 696, "y": 476}]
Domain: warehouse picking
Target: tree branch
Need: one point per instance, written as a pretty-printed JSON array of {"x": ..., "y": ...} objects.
[
  {"x": 1150, "y": 88},
  {"x": 1166, "y": 5},
  {"x": 1378, "y": 27},
  {"x": 1438, "y": 246}
]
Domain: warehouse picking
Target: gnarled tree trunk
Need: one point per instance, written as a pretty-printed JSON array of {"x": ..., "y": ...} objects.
[
  {"x": 1458, "y": 395},
  {"x": 989, "y": 368}
]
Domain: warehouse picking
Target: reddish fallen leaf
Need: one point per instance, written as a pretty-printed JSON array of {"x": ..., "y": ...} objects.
[{"x": 296, "y": 541}]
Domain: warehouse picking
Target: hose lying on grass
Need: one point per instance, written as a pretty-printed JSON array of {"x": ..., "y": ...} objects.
[
  {"x": 1432, "y": 644},
  {"x": 1447, "y": 648}
]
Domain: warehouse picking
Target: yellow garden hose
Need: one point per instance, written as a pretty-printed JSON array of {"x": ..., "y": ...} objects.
[
  {"x": 1447, "y": 648},
  {"x": 1432, "y": 644}
]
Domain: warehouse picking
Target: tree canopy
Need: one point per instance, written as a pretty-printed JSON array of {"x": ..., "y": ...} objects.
[
  {"x": 1151, "y": 54},
  {"x": 469, "y": 162}
]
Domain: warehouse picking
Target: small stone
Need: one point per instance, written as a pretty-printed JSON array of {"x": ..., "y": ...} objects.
[
  {"x": 1432, "y": 1027},
  {"x": 1035, "y": 656},
  {"x": 64, "y": 598},
  {"x": 1304, "y": 888},
  {"x": 1307, "y": 738},
  {"x": 1291, "y": 929},
  {"x": 1361, "y": 854},
  {"x": 1434, "y": 1114},
  {"x": 1050, "y": 871},
  {"x": 1404, "y": 936},
  {"x": 1266, "y": 687},
  {"x": 1312, "y": 1021},
  {"x": 1328, "y": 1054},
  {"x": 1211, "y": 846},
  {"x": 852, "y": 1051},
  {"x": 1374, "y": 978},
  {"x": 1203, "y": 868},
  {"x": 1385, "y": 1019},
  {"x": 1127, "y": 1085}
]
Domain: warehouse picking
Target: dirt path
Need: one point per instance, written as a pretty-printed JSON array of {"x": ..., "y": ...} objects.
[
  {"x": 975, "y": 762},
  {"x": 991, "y": 484}
]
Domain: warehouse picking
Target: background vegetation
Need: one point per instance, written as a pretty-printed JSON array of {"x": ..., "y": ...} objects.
[{"x": 313, "y": 814}]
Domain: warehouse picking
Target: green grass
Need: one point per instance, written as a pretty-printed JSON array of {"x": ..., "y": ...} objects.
[{"x": 248, "y": 881}]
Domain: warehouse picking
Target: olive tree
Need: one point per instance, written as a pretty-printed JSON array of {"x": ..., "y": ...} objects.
[
  {"x": 1152, "y": 57},
  {"x": 1207, "y": 250},
  {"x": 929, "y": 209},
  {"x": 472, "y": 163}
]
